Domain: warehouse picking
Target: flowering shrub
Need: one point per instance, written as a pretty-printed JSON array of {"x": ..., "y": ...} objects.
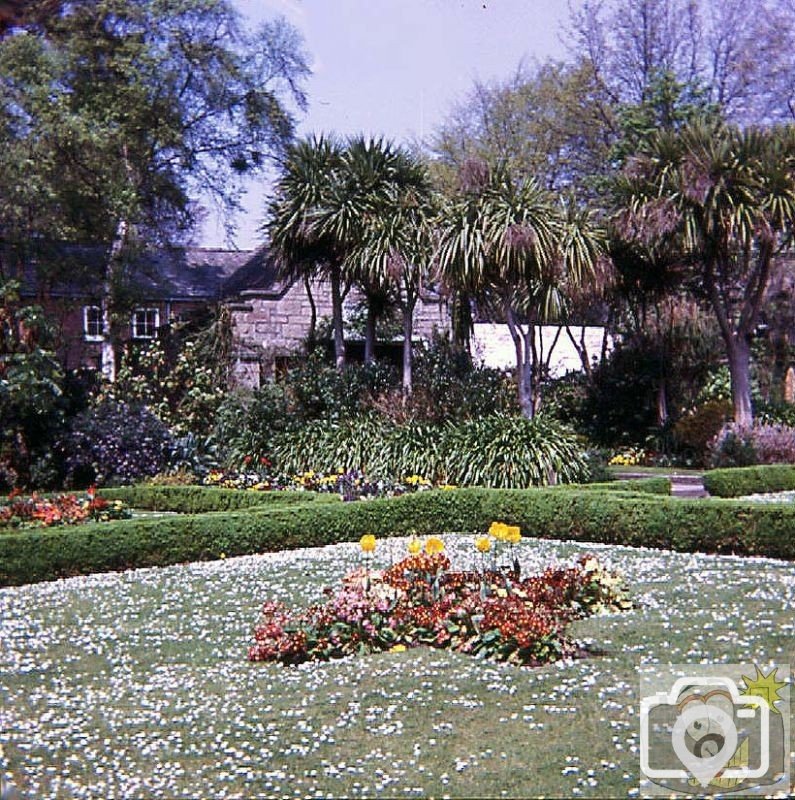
[
  {"x": 65, "y": 509},
  {"x": 745, "y": 446},
  {"x": 419, "y": 601},
  {"x": 632, "y": 457},
  {"x": 115, "y": 443}
]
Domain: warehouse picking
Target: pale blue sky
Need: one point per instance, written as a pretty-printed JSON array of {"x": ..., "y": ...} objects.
[{"x": 395, "y": 67}]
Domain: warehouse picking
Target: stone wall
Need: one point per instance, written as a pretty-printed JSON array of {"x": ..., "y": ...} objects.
[{"x": 272, "y": 325}]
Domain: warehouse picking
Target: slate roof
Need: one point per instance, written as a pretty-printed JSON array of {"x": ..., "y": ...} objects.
[{"x": 175, "y": 274}]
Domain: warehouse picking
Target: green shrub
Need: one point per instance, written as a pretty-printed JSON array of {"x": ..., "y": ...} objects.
[
  {"x": 590, "y": 516},
  {"x": 651, "y": 485},
  {"x": 317, "y": 389},
  {"x": 247, "y": 422},
  {"x": 750, "y": 480},
  {"x": 497, "y": 451},
  {"x": 694, "y": 431},
  {"x": 201, "y": 499},
  {"x": 513, "y": 452}
]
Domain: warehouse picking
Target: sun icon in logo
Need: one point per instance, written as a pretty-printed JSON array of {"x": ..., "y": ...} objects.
[{"x": 765, "y": 686}]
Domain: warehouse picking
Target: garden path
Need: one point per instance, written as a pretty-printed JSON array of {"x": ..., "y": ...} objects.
[{"x": 689, "y": 485}]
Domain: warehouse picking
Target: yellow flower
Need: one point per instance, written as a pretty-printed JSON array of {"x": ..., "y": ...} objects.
[
  {"x": 447, "y": 487},
  {"x": 434, "y": 545},
  {"x": 398, "y": 648},
  {"x": 415, "y": 546},
  {"x": 483, "y": 544},
  {"x": 512, "y": 534},
  {"x": 367, "y": 543},
  {"x": 499, "y": 530}
]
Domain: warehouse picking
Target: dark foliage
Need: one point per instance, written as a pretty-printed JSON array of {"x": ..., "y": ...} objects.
[{"x": 114, "y": 443}]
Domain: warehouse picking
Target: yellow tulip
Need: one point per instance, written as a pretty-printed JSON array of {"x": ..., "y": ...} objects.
[
  {"x": 415, "y": 546},
  {"x": 499, "y": 530},
  {"x": 483, "y": 544},
  {"x": 367, "y": 543},
  {"x": 434, "y": 545},
  {"x": 512, "y": 534}
]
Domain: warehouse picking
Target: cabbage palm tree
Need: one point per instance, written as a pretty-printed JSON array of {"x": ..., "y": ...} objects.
[
  {"x": 397, "y": 242},
  {"x": 303, "y": 242},
  {"x": 513, "y": 247},
  {"x": 727, "y": 197},
  {"x": 362, "y": 195}
]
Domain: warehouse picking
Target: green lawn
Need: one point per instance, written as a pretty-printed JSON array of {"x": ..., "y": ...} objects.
[{"x": 137, "y": 684}]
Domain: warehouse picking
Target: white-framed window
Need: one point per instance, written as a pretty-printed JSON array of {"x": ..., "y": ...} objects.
[
  {"x": 92, "y": 323},
  {"x": 145, "y": 322}
]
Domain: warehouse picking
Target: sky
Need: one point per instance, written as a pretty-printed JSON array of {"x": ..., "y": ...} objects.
[{"x": 395, "y": 68}]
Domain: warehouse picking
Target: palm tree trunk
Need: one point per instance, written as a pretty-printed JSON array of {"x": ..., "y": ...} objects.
[
  {"x": 408, "y": 330},
  {"x": 740, "y": 371},
  {"x": 311, "y": 337},
  {"x": 523, "y": 378},
  {"x": 336, "y": 315}
]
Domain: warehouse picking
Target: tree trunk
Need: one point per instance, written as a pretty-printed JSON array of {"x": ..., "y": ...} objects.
[
  {"x": 311, "y": 337},
  {"x": 740, "y": 371},
  {"x": 336, "y": 314},
  {"x": 408, "y": 330},
  {"x": 107, "y": 349},
  {"x": 662, "y": 402},
  {"x": 369, "y": 334},
  {"x": 523, "y": 378}
]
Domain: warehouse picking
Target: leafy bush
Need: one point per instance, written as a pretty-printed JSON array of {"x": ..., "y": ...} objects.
[
  {"x": 448, "y": 386},
  {"x": 590, "y": 516},
  {"x": 115, "y": 443},
  {"x": 247, "y": 422},
  {"x": 694, "y": 431},
  {"x": 497, "y": 450},
  {"x": 775, "y": 414},
  {"x": 182, "y": 376},
  {"x": 31, "y": 386},
  {"x": 750, "y": 480},
  {"x": 651, "y": 485},
  {"x": 513, "y": 452},
  {"x": 316, "y": 389},
  {"x": 743, "y": 445},
  {"x": 621, "y": 404}
]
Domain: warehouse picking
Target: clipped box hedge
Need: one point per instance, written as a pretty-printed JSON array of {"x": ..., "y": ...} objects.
[
  {"x": 596, "y": 516},
  {"x": 740, "y": 481},
  {"x": 202, "y": 499},
  {"x": 651, "y": 485}
]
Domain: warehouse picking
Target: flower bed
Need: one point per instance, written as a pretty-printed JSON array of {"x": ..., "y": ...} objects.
[
  {"x": 491, "y": 612},
  {"x": 63, "y": 509},
  {"x": 350, "y": 485}
]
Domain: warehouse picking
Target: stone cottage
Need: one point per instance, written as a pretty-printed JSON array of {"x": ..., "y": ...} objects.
[{"x": 271, "y": 317}]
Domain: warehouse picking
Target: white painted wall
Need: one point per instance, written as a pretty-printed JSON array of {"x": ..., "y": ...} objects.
[{"x": 493, "y": 347}]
